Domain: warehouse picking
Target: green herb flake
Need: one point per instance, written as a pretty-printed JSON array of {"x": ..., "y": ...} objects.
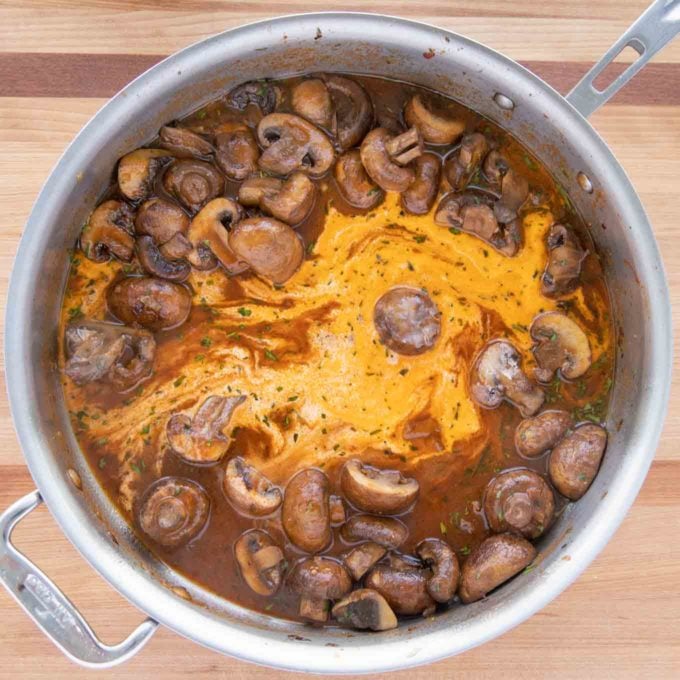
[
  {"x": 310, "y": 247},
  {"x": 420, "y": 238},
  {"x": 454, "y": 231},
  {"x": 146, "y": 429},
  {"x": 244, "y": 311},
  {"x": 270, "y": 355},
  {"x": 465, "y": 550},
  {"x": 403, "y": 371},
  {"x": 530, "y": 162},
  {"x": 206, "y": 341},
  {"x": 179, "y": 381},
  {"x": 293, "y": 398}
]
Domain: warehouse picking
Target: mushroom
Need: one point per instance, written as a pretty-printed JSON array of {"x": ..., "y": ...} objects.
[
  {"x": 443, "y": 562},
  {"x": 383, "y": 156},
  {"x": 161, "y": 220},
  {"x": 155, "y": 263},
  {"x": 201, "y": 439},
  {"x": 464, "y": 163},
  {"x": 382, "y": 492},
  {"x": 497, "y": 559},
  {"x": 407, "y": 320},
  {"x": 173, "y": 511},
  {"x": 419, "y": 198},
  {"x": 209, "y": 236},
  {"x": 519, "y": 501},
  {"x": 353, "y": 111},
  {"x": 249, "y": 491},
  {"x": 179, "y": 246},
  {"x": 305, "y": 514},
  {"x": 565, "y": 257},
  {"x": 291, "y": 143},
  {"x": 269, "y": 246},
  {"x": 109, "y": 232},
  {"x": 435, "y": 126},
  {"x": 365, "y": 608},
  {"x": 336, "y": 509},
  {"x": 354, "y": 184},
  {"x": 514, "y": 191},
  {"x": 360, "y": 559},
  {"x": 399, "y": 560},
  {"x": 98, "y": 350},
  {"x": 137, "y": 171},
  {"x": 311, "y": 99},
  {"x": 236, "y": 153},
  {"x": 574, "y": 462},
  {"x": 287, "y": 200},
  {"x": 536, "y": 435},
  {"x": 193, "y": 183},
  {"x": 495, "y": 166},
  {"x": 260, "y": 93},
  {"x": 404, "y": 589},
  {"x": 386, "y": 531},
  {"x": 260, "y": 561},
  {"x": 561, "y": 345},
  {"x": 318, "y": 580},
  {"x": 497, "y": 375},
  {"x": 153, "y": 303},
  {"x": 184, "y": 143}
]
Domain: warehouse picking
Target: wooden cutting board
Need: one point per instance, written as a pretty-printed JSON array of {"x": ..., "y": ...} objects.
[{"x": 61, "y": 59}]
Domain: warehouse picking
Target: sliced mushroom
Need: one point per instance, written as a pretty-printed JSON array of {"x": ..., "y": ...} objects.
[
  {"x": 574, "y": 462},
  {"x": 383, "y": 156},
  {"x": 365, "y": 609},
  {"x": 311, "y": 99},
  {"x": 407, "y": 320},
  {"x": 382, "y": 492},
  {"x": 260, "y": 561},
  {"x": 287, "y": 200},
  {"x": 565, "y": 257},
  {"x": 318, "y": 580},
  {"x": 464, "y": 163},
  {"x": 137, "y": 171},
  {"x": 193, "y": 182},
  {"x": 236, "y": 153},
  {"x": 495, "y": 166},
  {"x": 260, "y": 93},
  {"x": 173, "y": 511},
  {"x": 494, "y": 561},
  {"x": 202, "y": 439},
  {"x": 305, "y": 514},
  {"x": 497, "y": 375},
  {"x": 419, "y": 198},
  {"x": 184, "y": 143},
  {"x": 353, "y": 111},
  {"x": 354, "y": 184},
  {"x": 443, "y": 562},
  {"x": 155, "y": 263},
  {"x": 109, "y": 232},
  {"x": 519, "y": 501},
  {"x": 404, "y": 589},
  {"x": 291, "y": 143},
  {"x": 153, "y": 303},
  {"x": 249, "y": 491},
  {"x": 269, "y": 246},
  {"x": 161, "y": 220},
  {"x": 360, "y": 559},
  {"x": 514, "y": 191},
  {"x": 97, "y": 350},
  {"x": 561, "y": 345},
  {"x": 386, "y": 531},
  {"x": 537, "y": 435},
  {"x": 336, "y": 508},
  {"x": 436, "y": 127},
  {"x": 177, "y": 247}
]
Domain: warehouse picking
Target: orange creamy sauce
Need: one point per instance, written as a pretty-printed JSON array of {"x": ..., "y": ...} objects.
[{"x": 321, "y": 388}]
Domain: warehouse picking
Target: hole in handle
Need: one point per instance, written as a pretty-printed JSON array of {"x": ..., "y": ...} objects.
[{"x": 626, "y": 57}]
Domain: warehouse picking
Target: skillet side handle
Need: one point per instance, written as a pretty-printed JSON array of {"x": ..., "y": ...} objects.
[
  {"x": 51, "y": 610},
  {"x": 656, "y": 27}
]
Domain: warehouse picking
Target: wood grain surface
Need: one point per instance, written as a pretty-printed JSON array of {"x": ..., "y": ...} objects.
[{"x": 61, "y": 59}]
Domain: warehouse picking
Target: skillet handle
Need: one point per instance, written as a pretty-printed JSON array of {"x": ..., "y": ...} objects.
[
  {"x": 51, "y": 610},
  {"x": 656, "y": 27}
]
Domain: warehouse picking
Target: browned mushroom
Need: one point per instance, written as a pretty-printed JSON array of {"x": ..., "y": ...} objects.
[
  {"x": 202, "y": 439},
  {"x": 519, "y": 501},
  {"x": 495, "y": 166},
  {"x": 464, "y": 163},
  {"x": 497, "y": 559},
  {"x": 287, "y": 200},
  {"x": 514, "y": 191},
  {"x": 260, "y": 561},
  {"x": 137, "y": 171},
  {"x": 384, "y": 157},
  {"x": 561, "y": 345},
  {"x": 565, "y": 257},
  {"x": 161, "y": 220},
  {"x": 155, "y": 263},
  {"x": 435, "y": 125},
  {"x": 184, "y": 143},
  {"x": 193, "y": 183},
  {"x": 173, "y": 511},
  {"x": 236, "y": 152},
  {"x": 249, "y": 491},
  {"x": 354, "y": 184},
  {"x": 360, "y": 559},
  {"x": 97, "y": 350},
  {"x": 404, "y": 589},
  {"x": 305, "y": 514},
  {"x": 386, "y": 531},
  {"x": 353, "y": 111},
  {"x": 260, "y": 93},
  {"x": 318, "y": 580},
  {"x": 153, "y": 303},
  {"x": 407, "y": 320},
  {"x": 109, "y": 232},
  {"x": 365, "y": 609},
  {"x": 419, "y": 198},
  {"x": 270, "y": 247},
  {"x": 443, "y": 562},
  {"x": 382, "y": 492},
  {"x": 179, "y": 246},
  {"x": 311, "y": 99},
  {"x": 534, "y": 436},
  {"x": 497, "y": 375},
  {"x": 574, "y": 462},
  {"x": 292, "y": 143},
  {"x": 336, "y": 509}
]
